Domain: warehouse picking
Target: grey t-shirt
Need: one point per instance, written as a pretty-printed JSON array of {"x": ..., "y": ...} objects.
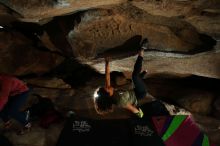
[{"x": 123, "y": 97}]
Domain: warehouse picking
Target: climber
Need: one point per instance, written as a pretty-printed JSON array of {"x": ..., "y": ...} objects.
[
  {"x": 13, "y": 95},
  {"x": 105, "y": 97}
]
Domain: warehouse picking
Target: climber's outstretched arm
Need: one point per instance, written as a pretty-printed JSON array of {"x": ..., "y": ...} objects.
[{"x": 108, "y": 87}]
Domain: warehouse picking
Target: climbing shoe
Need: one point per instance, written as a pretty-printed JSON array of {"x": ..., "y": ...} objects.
[{"x": 140, "y": 114}]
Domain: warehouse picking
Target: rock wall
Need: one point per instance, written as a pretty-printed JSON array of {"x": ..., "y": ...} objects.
[
  {"x": 91, "y": 30},
  {"x": 20, "y": 57}
]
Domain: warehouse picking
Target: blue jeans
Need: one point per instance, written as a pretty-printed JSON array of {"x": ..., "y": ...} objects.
[
  {"x": 12, "y": 108},
  {"x": 139, "y": 85}
]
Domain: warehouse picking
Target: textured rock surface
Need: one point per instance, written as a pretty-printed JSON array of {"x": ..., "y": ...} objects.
[
  {"x": 20, "y": 57},
  {"x": 116, "y": 31},
  {"x": 204, "y": 64},
  {"x": 48, "y": 83},
  {"x": 7, "y": 16},
  {"x": 100, "y": 30},
  {"x": 37, "y": 10}
]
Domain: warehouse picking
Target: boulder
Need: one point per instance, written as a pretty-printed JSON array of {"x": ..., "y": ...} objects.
[{"x": 20, "y": 57}]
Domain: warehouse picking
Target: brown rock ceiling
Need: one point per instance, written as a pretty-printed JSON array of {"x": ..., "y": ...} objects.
[{"x": 115, "y": 28}]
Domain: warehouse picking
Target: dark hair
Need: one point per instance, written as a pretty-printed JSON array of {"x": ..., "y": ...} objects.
[{"x": 104, "y": 102}]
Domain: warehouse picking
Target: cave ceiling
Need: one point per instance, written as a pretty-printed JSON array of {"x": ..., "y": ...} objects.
[{"x": 183, "y": 35}]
